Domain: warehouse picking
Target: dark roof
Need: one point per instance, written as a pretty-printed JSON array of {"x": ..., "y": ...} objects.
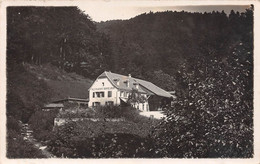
[
  {"x": 52, "y": 105},
  {"x": 78, "y": 99},
  {"x": 144, "y": 86},
  {"x": 71, "y": 99}
]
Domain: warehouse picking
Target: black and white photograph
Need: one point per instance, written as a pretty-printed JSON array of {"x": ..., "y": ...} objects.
[{"x": 112, "y": 80}]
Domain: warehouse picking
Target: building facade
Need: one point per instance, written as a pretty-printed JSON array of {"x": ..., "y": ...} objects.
[
  {"x": 115, "y": 89},
  {"x": 52, "y": 106}
]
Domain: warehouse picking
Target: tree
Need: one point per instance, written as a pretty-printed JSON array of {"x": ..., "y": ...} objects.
[
  {"x": 135, "y": 98},
  {"x": 214, "y": 116},
  {"x": 63, "y": 36}
]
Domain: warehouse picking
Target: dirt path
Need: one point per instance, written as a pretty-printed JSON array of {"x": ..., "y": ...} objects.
[{"x": 27, "y": 136}]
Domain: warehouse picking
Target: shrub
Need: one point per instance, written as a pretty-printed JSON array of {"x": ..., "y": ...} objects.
[
  {"x": 42, "y": 123},
  {"x": 18, "y": 148},
  {"x": 106, "y": 145},
  {"x": 13, "y": 124},
  {"x": 109, "y": 111},
  {"x": 62, "y": 141},
  {"x": 117, "y": 145},
  {"x": 105, "y": 139},
  {"x": 14, "y": 105},
  {"x": 102, "y": 139},
  {"x": 129, "y": 113}
]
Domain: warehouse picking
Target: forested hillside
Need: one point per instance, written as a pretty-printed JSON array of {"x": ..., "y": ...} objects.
[
  {"x": 163, "y": 41},
  {"x": 152, "y": 46},
  {"x": 63, "y": 36}
]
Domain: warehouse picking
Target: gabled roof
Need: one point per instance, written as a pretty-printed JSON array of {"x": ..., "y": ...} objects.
[{"x": 144, "y": 86}]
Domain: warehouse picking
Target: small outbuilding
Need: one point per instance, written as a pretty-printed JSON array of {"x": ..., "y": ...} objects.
[
  {"x": 79, "y": 101},
  {"x": 53, "y": 106}
]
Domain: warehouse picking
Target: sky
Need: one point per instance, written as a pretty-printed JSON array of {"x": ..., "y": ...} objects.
[{"x": 111, "y": 11}]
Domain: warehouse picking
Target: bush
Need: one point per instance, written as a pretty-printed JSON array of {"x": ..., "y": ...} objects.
[
  {"x": 14, "y": 105},
  {"x": 18, "y": 148},
  {"x": 63, "y": 139},
  {"x": 117, "y": 145},
  {"x": 103, "y": 139},
  {"x": 106, "y": 139},
  {"x": 106, "y": 145},
  {"x": 42, "y": 123},
  {"x": 13, "y": 124},
  {"x": 109, "y": 111},
  {"x": 129, "y": 113}
]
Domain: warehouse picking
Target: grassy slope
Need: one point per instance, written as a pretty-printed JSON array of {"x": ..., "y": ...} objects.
[
  {"x": 62, "y": 84},
  {"x": 30, "y": 86}
]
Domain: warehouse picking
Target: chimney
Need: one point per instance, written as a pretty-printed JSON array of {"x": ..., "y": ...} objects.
[{"x": 129, "y": 75}]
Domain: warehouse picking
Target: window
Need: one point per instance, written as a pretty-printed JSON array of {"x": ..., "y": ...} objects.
[
  {"x": 109, "y": 103},
  {"x": 109, "y": 94},
  {"x": 116, "y": 81},
  {"x": 121, "y": 93},
  {"x": 124, "y": 94},
  {"x": 96, "y": 103},
  {"x": 136, "y": 85},
  {"x": 99, "y": 94},
  {"x": 93, "y": 94},
  {"x": 126, "y": 83},
  {"x": 103, "y": 83}
]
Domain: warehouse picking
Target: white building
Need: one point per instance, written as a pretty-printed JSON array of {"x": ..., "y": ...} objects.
[{"x": 114, "y": 89}]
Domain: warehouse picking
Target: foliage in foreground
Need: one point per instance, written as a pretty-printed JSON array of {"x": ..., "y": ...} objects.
[
  {"x": 42, "y": 123},
  {"x": 16, "y": 146},
  {"x": 104, "y": 139},
  {"x": 128, "y": 112},
  {"x": 71, "y": 142},
  {"x": 215, "y": 117}
]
